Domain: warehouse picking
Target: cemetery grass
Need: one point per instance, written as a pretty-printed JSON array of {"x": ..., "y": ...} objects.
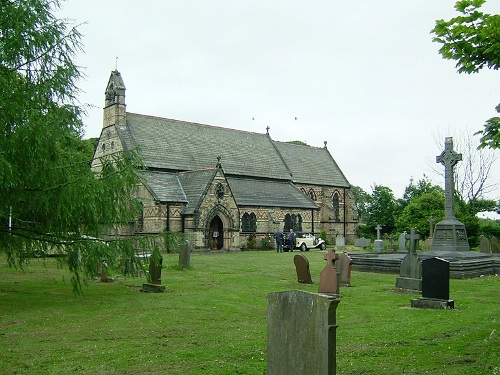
[{"x": 212, "y": 320}]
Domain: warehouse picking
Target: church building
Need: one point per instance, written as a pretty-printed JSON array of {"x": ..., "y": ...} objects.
[{"x": 220, "y": 185}]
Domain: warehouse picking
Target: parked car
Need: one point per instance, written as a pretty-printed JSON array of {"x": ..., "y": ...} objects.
[{"x": 304, "y": 242}]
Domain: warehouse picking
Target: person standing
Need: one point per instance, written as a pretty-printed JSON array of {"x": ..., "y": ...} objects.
[{"x": 279, "y": 241}]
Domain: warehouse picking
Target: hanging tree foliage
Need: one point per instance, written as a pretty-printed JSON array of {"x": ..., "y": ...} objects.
[
  {"x": 50, "y": 200},
  {"x": 473, "y": 40}
]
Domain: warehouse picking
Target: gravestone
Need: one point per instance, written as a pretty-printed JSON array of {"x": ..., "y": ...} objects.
[
  {"x": 428, "y": 241},
  {"x": 378, "y": 245},
  {"x": 340, "y": 243},
  {"x": 302, "y": 268},
  {"x": 402, "y": 241},
  {"x": 329, "y": 277},
  {"x": 449, "y": 234},
  {"x": 344, "y": 267},
  {"x": 390, "y": 245},
  {"x": 185, "y": 255},
  {"x": 495, "y": 248},
  {"x": 484, "y": 245},
  {"x": 301, "y": 333},
  {"x": 104, "y": 272},
  {"x": 154, "y": 277},
  {"x": 411, "y": 267},
  {"x": 435, "y": 285},
  {"x": 362, "y": 242}
]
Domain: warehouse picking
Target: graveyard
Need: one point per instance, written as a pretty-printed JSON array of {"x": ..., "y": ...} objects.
[{"x": 212, "y": 319}]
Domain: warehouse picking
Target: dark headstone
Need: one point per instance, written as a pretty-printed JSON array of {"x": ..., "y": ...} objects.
[
  {"x": 185, "y": 255},
  {"x": 435, "y": 285},
  {"x": 484, "y": 245},
  {"x": 329, "y": 277},
  {"x": 344, "y": 267},
  {"x": 495, "y": 247},
  {"x": 301, "y": 333},
  {"x": 302, "y": 268}
]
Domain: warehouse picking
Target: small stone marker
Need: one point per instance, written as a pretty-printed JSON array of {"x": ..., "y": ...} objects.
[
  {"x": 362, "y": 242},
  {"x": 344, "y": 267},
  {"x": 378, "y": 245},
  {"x": 104, "y": 272},
  {"x": 340, "y": 242},
  {"x": 302, "y": 268},
  {"x": 301, "y": 333},
  {"x": 484, "y": 245},
  {"x": 428, "y": 241},
  {"x": 495, "y": 248},
  {"x": 329, "y": 277},
  {"x": 402, "y": 241},
  {"x": 435, "y": 285},
  {"x": 185, "y": 255},
  {"x": 411, "y": 268}
]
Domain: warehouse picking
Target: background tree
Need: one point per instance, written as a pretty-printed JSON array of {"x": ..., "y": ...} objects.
[
  {"x": 419, "y": 210},
  {"x": 473, "y": 40},
  {"x": 381, "y": 208},
  {"x": 49, "y": 197},
  {"x": 362, "y": 198}
]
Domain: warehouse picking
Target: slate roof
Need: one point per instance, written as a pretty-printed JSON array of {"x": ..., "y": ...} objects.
[
  {"x": 180, "y": 157},
  {"x": 165, "y": 187},
  {"x": 182, "y": 146},
  {"x": 195, "y": 184},
  {"x": 266, "y": 193},
  {"x": 311, "y": 165}
]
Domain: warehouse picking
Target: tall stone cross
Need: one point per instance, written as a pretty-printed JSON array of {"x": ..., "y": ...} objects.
[
  {"x": 414, "y": 237},
  {"x": 378, "y": 228},
  {"x": 449, "y": 159}
]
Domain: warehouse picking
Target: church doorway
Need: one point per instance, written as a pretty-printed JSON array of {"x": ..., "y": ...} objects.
[{"x": 216, "y": 233}]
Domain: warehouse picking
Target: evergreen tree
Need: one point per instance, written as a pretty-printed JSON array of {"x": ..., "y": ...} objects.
[{"x": 50, "y": 200}]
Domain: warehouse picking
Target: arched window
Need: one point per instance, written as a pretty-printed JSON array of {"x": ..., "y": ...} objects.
[
  {"x": 336, "y": 207},
  {"x": 249, "y": 222},
  {"x": 312, "y": 194},
  {"x": 293, "y": 222}
]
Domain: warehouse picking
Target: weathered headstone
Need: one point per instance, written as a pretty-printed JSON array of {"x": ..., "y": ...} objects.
[
  {"x": 495, "y": 247},
  {"x": 104, "y": 272},
  {"x": 411, "y": 267},
  {"x": 340, "y": 242},
  {"x": 362, "y": 242},
  {"x": 344, "y": 267},
  {"x": 302, "y": 269},
  {"x": 484, "y": 245},
  {"x": 378, "y": 245},
  {"x": 435, "y": 285},
  {"x": 301, "y": 333},
  {"x": 428, "y": 241},
  {"x": 329, "y": 277},
  {"x": 390, "y": 245},
  {"x": 449, "y": 234},
  {"x": 185, "y": 255},
  {"x": 402, "y": 241},
  {"x": 154, "y": 277}
]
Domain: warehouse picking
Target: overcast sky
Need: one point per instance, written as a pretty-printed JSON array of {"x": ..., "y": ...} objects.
[{"x": 362, "y": 75}]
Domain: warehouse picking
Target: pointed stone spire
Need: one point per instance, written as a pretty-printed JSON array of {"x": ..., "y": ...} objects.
[{"x": 114, "y": 107}]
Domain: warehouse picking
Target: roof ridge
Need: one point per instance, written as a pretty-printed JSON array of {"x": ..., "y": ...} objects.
[{"x": 193, "y": 123}]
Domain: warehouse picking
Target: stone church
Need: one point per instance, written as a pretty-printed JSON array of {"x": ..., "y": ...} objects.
[{"x": 219, "y": 185}]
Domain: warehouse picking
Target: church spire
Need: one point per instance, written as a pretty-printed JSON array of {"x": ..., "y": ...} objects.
[{"x": 114, "y": 107}]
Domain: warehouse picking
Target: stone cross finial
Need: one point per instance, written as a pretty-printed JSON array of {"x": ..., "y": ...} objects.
[
  {"x": 449, "y": 158},
  {"x": 267, "y": 129},
  {"x": 414, "y": 237},
  {"x": 378, "y": 228}
]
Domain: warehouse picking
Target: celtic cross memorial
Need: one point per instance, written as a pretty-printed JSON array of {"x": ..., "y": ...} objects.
[{"x": 449, "y": 234}]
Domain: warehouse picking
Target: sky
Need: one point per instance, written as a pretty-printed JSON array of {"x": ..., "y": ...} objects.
[{"x": 362, "y": 75}]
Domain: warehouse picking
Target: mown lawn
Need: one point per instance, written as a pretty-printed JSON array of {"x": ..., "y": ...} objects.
[{"x": 212, "y": 320}]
